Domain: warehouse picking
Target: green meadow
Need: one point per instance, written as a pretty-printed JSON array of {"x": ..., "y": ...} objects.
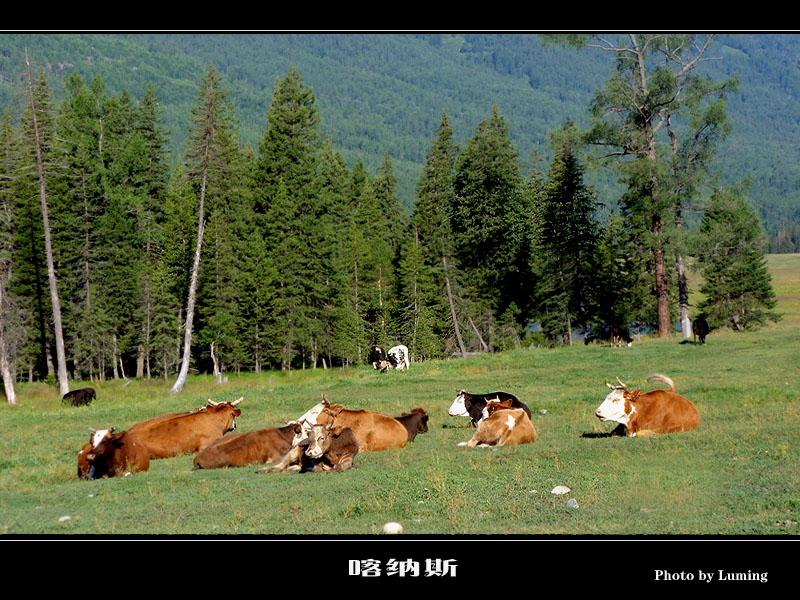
[{"x": 737, "y": 474}]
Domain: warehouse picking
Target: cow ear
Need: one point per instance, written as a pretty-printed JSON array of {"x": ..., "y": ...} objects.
[
  {"x": 337, "y": 431},
  {"x": 633, "y": 396}
]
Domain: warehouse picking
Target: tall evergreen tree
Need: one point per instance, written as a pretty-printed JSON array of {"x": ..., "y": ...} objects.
[
  {"x": 490, "y": 220},
  {"x": 566, "y": 242},
  {"x": 431, "y": 220},
  {"x": 731, "y": 257}
]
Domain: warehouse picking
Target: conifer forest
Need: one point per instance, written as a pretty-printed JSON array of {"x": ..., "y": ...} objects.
[{"x": 129, "y": 251}]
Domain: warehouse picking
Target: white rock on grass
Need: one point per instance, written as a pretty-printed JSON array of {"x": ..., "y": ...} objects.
[
  {"x": 560, "y": 490},
  {"x": 572, "y": 503}
]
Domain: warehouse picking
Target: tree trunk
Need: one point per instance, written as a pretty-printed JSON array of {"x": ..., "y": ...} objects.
[
  {"x": 683, "y": 298},
  {"x": 453, "y": 309},
  {"x": 478, "y": 333},
  {"x": 63, "y": 382},
  {"x": 187, "y": 337},
  {"x": 5, "y": 367},
  {"x": 217, "y": 374}
]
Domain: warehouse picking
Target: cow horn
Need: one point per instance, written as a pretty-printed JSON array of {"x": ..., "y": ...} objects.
[
  {"x": 622, "y": 384},
  {"x": 92, "y": 430},
  {"x": 235, "y": 402},
  {"x": 212, "y": 403},
  {"x": 611, "y": 385}
]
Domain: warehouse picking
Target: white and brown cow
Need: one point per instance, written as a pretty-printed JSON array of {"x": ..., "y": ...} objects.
[
  {"x": 658, "y": 411},
  {"x": 474, "y": 405},
  {"x": 503, "y": 427},
  {"x": 318, "y": 448},
  {"x": 375, "y": 431}
]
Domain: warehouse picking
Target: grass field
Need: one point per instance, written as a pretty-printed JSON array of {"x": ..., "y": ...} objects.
[{"x": 737, "y": 474}]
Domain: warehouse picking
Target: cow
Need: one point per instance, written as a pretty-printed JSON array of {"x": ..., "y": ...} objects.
[
  {"x": 242, "y": 449},
  {"x": 503, "y": 426},
  {"x": 473, "y": 405},
  {"x": 657, "y": 411},
  {"x": 377, "y": 358},
  {"x": 317, "y": 448},
  {"x": 109, "y": 454},
  {"x": 396, "y": 358},
  {"x": 619, "y": 336},
  {"x": 415, "y": 422},
  {"x": 82, "y": 397},
  {"x": 179, "y": 433},
  {"x": 375, "y": 431},
  {"x": 700, "y": 330}
]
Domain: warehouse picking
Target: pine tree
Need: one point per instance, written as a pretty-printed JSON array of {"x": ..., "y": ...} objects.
[
  {"x": 490, "y": 220},
  {"x": 431, "y": 220},
  {"x": 731, "y": 257},
  {"x": 566, "y": 241}
]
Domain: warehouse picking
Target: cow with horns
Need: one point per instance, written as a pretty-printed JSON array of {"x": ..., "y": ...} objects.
[{"x": 657, "y": 411}]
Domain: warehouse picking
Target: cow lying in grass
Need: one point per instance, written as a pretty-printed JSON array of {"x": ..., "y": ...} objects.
[
  {"x": 415, "y": 422},
  {"x": 503, "y": 426},
  {"x": 318, "y": 448},
  {"x": 658, "y": 411},
  {"x": 109, "y": 454},
  {"x": 242, "y": 449}
]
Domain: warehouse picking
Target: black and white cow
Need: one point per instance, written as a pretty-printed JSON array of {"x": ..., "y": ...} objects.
[
  {"x": 620, "y": 335},
  {"x": 396, "y": 358},
  {"x": 474, "y": 405}
]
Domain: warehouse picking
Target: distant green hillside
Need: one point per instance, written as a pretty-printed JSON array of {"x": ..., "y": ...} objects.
[{"x": 385, "y": 93}]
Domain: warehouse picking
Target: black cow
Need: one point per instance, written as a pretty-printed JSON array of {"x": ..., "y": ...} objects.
[
  {"x": 700, "y": 330},
  {"x": 473, "y": 405},
  {"x": 82, "y": 397}
]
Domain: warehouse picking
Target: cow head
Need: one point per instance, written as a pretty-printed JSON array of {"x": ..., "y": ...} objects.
[
  {"x": 102, "y": 444},
  {"x": 228, "y": 409},
  {"x": 459, "y": 406},
  {"x": 494, "y": 405},
  {"x": 321, "y": 438},
  {"x": 310, "y": 416},
  {"x": 423, "y": 419},
  {"x": 619, "y": 405}
]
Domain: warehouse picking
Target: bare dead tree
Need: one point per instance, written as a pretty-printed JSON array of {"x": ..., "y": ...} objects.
[{"x": 63, "y": 382}]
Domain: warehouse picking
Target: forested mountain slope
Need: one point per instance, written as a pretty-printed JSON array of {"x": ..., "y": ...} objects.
[{"x": 385, "y": 93}]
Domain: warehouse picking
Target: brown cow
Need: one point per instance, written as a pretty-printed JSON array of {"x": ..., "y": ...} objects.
[
  {"x": 415, "y": 422},
  {"x": 375, "y": 431},
  {"x": 173, "y": 434},
  {"x": 658, "y": 411},
  {"x": 503, "y": 427},
  {"x": 318, "y": 448},
  {"x": 242, "y": 449},
  {"x": 109, "y": 454}
]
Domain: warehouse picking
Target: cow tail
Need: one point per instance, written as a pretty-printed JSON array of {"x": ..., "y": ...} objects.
[{"x": 662, "y": 379}]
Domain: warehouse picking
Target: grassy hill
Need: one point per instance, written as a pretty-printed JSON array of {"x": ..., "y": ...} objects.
[{"x": 385, "y": 93}]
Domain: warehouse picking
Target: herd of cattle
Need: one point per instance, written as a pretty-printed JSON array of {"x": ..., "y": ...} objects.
[{"x": 327, "y": 437}]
